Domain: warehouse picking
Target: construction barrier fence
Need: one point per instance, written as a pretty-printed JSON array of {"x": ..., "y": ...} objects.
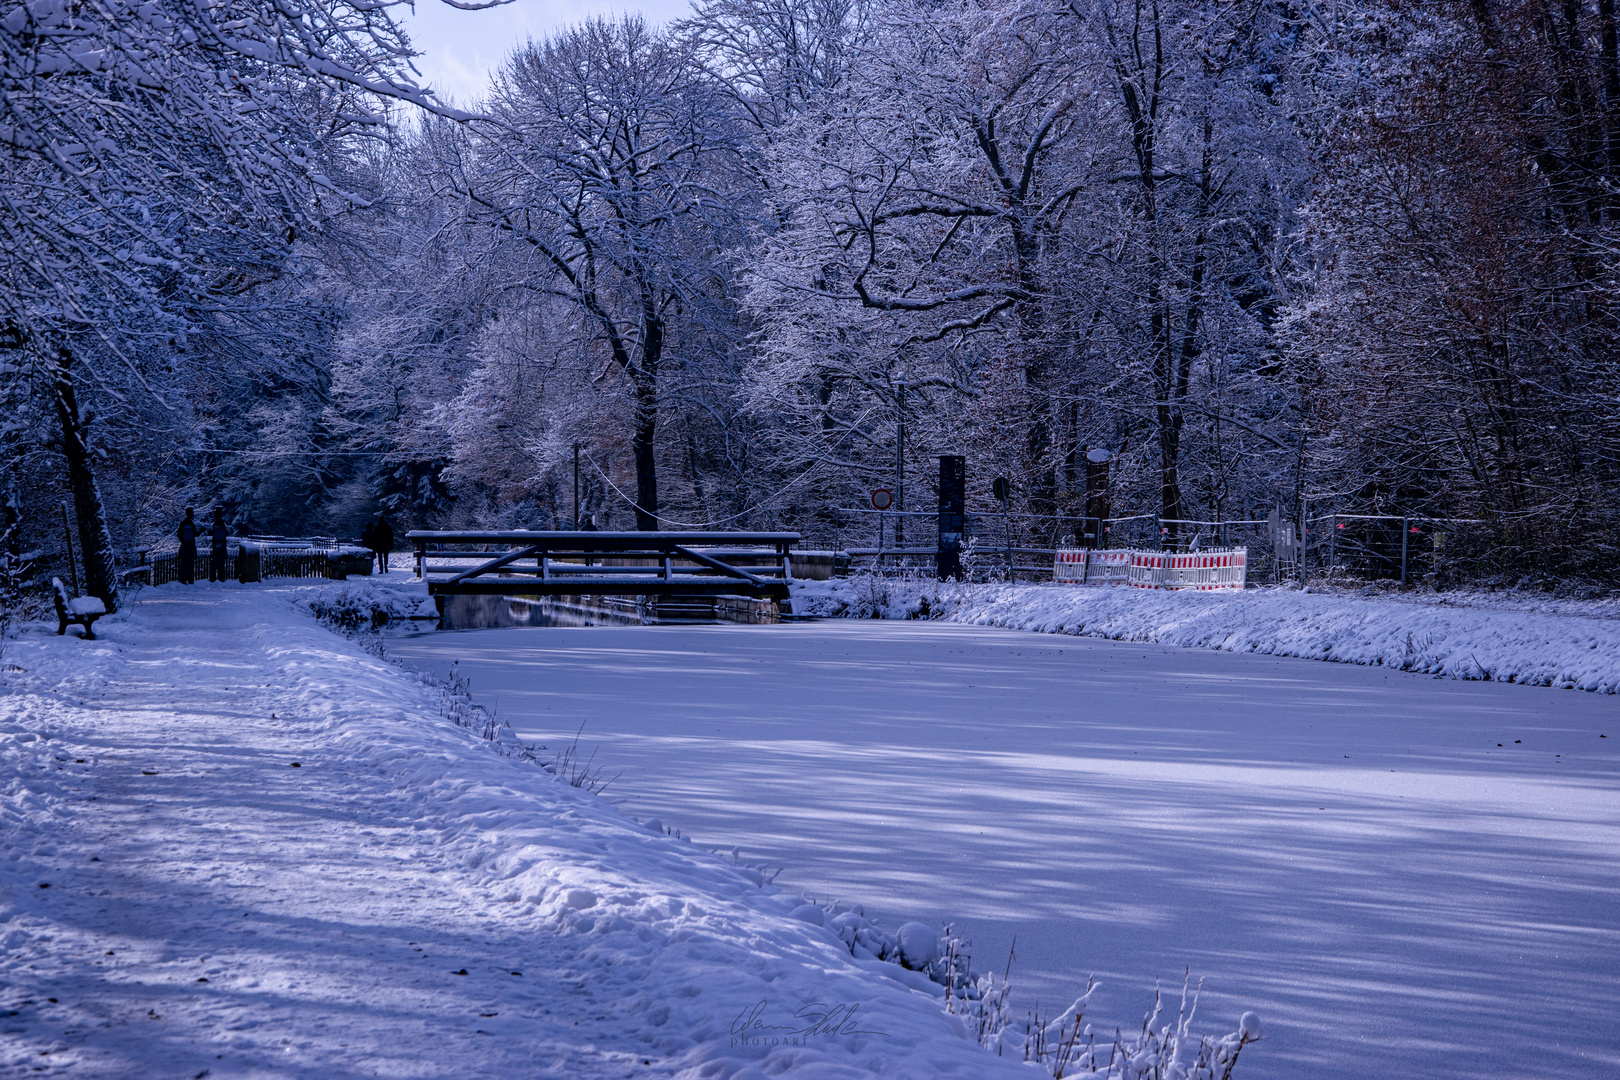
[
  {"x": 1092, "y": 567},
  {"x": 1200, "y": 570}
]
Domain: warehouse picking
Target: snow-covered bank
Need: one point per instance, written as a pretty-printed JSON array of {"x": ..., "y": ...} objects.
[
  {"x": 178, "y": 897},
  {"x": 1562, "y": 644}
]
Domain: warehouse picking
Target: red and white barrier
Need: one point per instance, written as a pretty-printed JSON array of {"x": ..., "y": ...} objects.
[
  {"x": 1202, "y": 570},
  {"x": 1070, "y": 567},
  {"x": 1092, "y": 567}
]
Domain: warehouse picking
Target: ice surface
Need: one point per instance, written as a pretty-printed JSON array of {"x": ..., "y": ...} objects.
[{"x": 1342, "y": 849}]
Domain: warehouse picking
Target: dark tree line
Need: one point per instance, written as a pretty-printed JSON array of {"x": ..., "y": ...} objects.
[{"x": 1352, "y": 258}]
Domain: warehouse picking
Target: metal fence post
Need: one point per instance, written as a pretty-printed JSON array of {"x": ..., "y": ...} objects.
[
  {"x": 1302, "y": 540},
  {"x": 1404, "y": 534},
  {"x": 1333, "y": 544},
  {"x": 1006, "y": 535}
]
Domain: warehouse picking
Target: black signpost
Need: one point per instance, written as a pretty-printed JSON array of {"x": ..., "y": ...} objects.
[
  {"x": 952, "y": 514},
  {"x": 1093, "y": 530}
]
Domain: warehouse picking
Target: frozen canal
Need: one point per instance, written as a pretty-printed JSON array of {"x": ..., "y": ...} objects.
[{"x": 1346, "y": 850}]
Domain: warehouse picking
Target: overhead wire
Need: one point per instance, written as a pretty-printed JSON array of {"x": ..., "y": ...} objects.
[{"x": 703, "y": 524}]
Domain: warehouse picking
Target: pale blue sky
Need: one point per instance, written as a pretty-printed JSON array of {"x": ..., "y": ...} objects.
[{"x": 460, "y": 48}]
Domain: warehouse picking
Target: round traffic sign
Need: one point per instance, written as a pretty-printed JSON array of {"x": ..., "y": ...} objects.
[{"x": 882, "y": 499}]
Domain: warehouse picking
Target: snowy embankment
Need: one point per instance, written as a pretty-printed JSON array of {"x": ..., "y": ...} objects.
[
  {"x": 233, "y": 843},
  {"x": 177, "y": 894},
  {"x": 1564, "y": 644}
]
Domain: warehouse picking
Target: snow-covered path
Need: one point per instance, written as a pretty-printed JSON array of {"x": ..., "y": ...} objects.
[
  {"x": 1345, "y": 848},
  {"x": 178, "y": 899}
]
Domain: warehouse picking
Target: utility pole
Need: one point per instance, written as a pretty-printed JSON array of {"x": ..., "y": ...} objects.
[{"x": 576, "y": 486}]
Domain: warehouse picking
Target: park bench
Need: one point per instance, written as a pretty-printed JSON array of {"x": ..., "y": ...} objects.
[{"x": 84, "y": 610}]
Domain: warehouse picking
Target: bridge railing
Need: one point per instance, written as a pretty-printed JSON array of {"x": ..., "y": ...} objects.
[{"x": 581, "y": 563}]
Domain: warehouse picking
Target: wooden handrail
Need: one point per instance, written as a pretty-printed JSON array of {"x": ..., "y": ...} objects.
[
  {"x": 716, "y": 564},
  {"x": 442, "y": 561},
  {"x": 494, "y": 564}
]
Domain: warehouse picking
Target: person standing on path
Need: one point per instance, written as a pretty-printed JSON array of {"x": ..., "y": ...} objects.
[
  {"x": 187, "y": 532},
  {"x": 381, "y": 542},
  {"x": 216, "y": 546}
]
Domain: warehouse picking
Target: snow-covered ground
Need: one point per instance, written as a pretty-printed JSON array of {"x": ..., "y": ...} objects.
[
  {"x": 233, "y": 844},
  {"x": 1345, "y": 848},
  {"x": 1460, "y": 635},
  {"x": 1406, "y": 876}
]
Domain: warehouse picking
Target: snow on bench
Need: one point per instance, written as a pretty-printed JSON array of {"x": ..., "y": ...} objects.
[{"x": 70, "y": 609}]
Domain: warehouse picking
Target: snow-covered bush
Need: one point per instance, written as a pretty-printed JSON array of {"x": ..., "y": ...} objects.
[
  {"x": 355, "y": 605},
  {"x": 912, "y": 594}
]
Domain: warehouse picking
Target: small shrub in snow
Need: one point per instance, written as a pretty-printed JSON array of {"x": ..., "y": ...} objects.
[
  {"x": 576, "y": 773},
  {"x": 1067, "y": 1047}
]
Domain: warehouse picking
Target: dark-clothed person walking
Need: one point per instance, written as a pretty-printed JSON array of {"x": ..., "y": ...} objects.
[
  {"x": 187, "y": 532},
  {"x": 380, "y": 539},
  {"x": 216, "y": 547}
]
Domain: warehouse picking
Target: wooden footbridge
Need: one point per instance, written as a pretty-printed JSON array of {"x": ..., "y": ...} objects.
[{"x": 605, "y": 563}]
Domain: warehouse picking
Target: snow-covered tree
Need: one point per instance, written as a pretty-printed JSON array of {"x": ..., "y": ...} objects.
[
  {"x": 1073, "y": 215},
  {"x": 1460, "y": 328},
  {"x": 607, "y": 171},
  {"x": 160, "y": 159}
]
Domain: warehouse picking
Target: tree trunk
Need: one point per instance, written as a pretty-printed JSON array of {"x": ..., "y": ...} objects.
[
  {"x": 646, "y": 384},
  {"x": 1172, "y": 505},
  {"x": 1038, "y": 464},
  {"x": 643, "y": 444},
  {"x": 11, "y": 563},
  {"x": 95, "y": 543}
]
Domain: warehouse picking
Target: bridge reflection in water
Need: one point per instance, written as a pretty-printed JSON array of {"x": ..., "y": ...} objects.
[{"x": 483, "y": 611}]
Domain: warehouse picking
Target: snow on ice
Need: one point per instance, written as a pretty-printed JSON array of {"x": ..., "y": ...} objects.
[{"x": 1344, "y": 849}]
